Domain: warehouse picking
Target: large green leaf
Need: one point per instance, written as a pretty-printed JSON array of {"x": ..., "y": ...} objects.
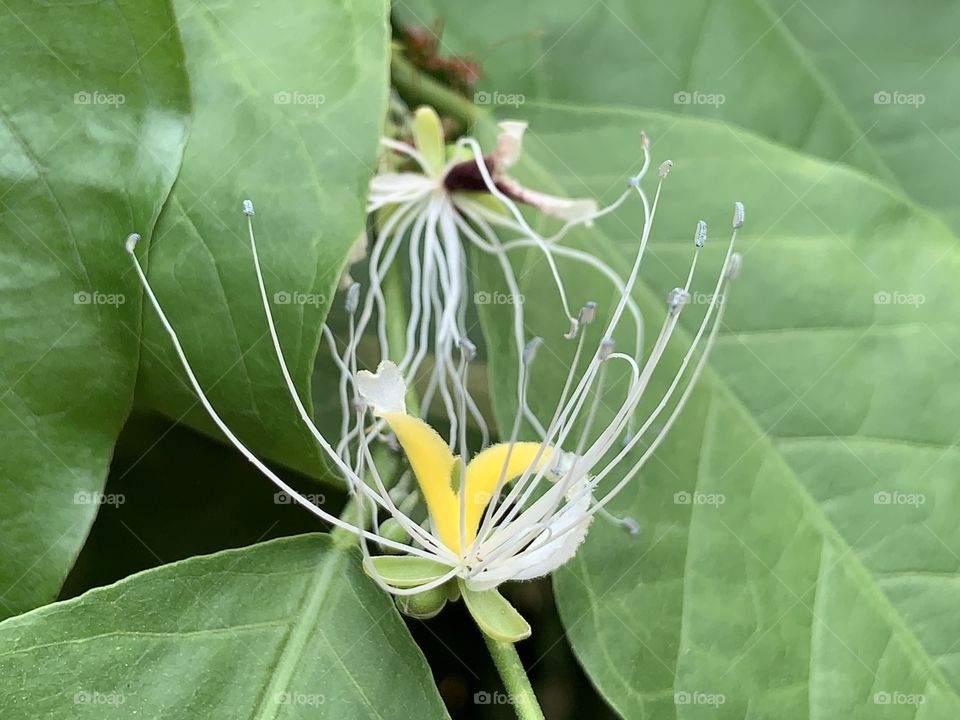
[
  {"x": 286, "y": 629},
  {"x": 724, "y": 60},
  {"x": 91, "y": 136},
  {"x": 813, "y": 574},
  {"x": 290, "y": 100},
  {"x": 896, "y": 76},
  {"x": 839, "y": 80}
]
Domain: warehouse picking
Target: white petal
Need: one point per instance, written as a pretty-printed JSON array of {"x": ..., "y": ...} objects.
[
  {"x": 549, "y": 553},
  {"x": 509, "y": 143},
  {"x": 400, "y": 183},
  {"x": 384, "y": 391},
  {"x": 570, "y": 209}
]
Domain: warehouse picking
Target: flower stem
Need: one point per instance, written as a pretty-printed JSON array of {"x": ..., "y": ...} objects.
[
  {"x": 417, "y": 88},
  {"x": 514, "y": 678}
]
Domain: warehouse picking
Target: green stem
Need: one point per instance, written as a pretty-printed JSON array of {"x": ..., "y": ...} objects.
[
  {"x": 417, "y": 88},
  {"x": 514, "y": 678}
]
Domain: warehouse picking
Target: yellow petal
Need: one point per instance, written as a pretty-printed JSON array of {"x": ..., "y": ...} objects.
[
  {"x": 431, "y": 462},
  {"x": 484, "y": 471}
]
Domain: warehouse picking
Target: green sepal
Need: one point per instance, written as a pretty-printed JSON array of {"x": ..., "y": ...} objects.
[
  {"x": 406, "y": 571},
  {"x": 494, "y": 615}
]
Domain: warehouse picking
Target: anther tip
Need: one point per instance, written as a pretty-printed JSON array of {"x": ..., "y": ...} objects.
[
  {"x": 248, "y": 207},
  {"x": 700, "y": 236},
  {"x": 468, "y": 349},
  {"x": 353, "y": 298},
  {"x": 607, "y": 346},
  {"x": 644, "y": 140},
  {"x": 676, "y": 299},
  {"x": 737, "y": 215},
  {"x": 665, "y": 168},
  {"x": 574, "y": 328},
  {"x": 630, "y": 525},
  {"x": 531, "y": 349},
  {"x": 131, "y": 241},
  {"x": 587, "y": 313}
]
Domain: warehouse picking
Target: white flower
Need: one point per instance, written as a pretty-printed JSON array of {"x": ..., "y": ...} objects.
[
  {"x": 459, "y": 199},
  {"x": 466, "y": 523}
]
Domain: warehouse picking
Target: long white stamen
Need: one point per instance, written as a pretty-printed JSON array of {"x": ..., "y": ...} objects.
[{"x": 235, "y": 441}]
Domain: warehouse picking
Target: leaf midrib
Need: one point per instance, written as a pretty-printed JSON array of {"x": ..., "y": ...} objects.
[{"x": 303, "y": 625}]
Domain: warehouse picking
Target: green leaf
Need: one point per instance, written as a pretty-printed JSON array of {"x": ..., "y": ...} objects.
[
  {"x": 798, "y": 547},
  {"x": 495, "y": 615},
  {"x": 896, "y": 76},
  {"x": 286, "y": 629},
  {"x": 91, "y": 136},
  {"x": 731, "y": 61},
  {"x": 806, "y": 74},
  {"x": 290, "y": 100}
]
